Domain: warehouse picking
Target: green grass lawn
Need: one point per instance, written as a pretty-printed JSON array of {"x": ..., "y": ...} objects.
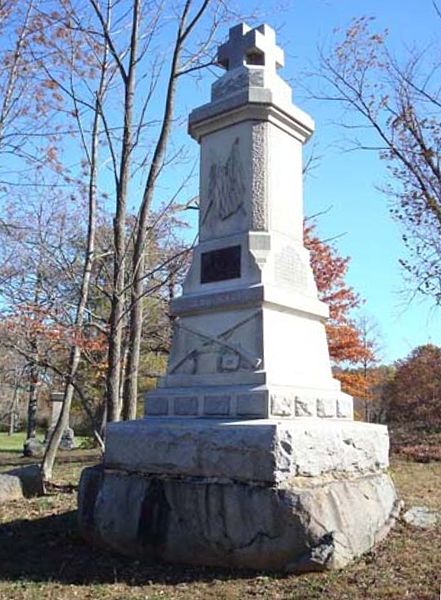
[{"x": 14, "y": 443}]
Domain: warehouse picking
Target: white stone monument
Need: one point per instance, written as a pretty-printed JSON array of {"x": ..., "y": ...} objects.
[
  {"x": 67, "y": 441},
  {"x": 248, "y": 455}
]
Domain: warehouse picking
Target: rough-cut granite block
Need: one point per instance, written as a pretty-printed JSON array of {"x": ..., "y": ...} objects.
[
  {"x": 251, "y": 405},
  {"x": 305, "y": 407},
  {"x": 263, "y": 450},
  {"x": 157, "y": 405},
  {"x": 217, "y": 405},
  {"x": 345, "y": 407},
  {"x": 303, "y": 524}
]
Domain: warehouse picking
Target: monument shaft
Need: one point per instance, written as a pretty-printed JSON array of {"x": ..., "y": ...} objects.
[{"x": 249, "y": 337}]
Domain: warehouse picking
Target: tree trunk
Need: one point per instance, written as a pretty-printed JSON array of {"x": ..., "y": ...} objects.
[
  {"x": 113, "y": 378},
  {"x": 11, "y": 428},
  {"x": 14, "y": 410},
  {"x": 138, "y": 263},
  {"x": 130, "y": 396},
  {"x": 75, "y": 354},
  {"x": 32, "y": 406},
  {"x": 115, "y": 367}
]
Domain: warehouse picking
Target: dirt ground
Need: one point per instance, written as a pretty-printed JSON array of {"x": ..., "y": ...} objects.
[{"x": 43, "y": 556}]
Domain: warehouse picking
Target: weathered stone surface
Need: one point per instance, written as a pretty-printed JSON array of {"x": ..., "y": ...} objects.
[
  {"x": 67, "y": 441},
  {"x": 422, "y": 517},
  {"x": 245, "y": 400},
  {"x": 303, "y": 524},
  {"x": 10, "y": 488},
  {"x": 262, "y": 450},
  {"x": 32, "y": 447},
  {"x": 30, "y": 478},
  {"x": 22, "y": 482}
]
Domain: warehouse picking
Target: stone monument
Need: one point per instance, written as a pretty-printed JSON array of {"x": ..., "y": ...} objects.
[
  {"x": 248, "y": 455},
  {"x": 67, "y": 441}
]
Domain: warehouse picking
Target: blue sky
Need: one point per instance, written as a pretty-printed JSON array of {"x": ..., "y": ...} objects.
[
  {"x": 346, "y": 183},
  {"x": 343, "y": 185}
]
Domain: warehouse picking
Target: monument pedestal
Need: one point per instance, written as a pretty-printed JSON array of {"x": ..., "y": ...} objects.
[
  {"x": 67, "y": 441},
  {"x": 248, "y": 456},
  {"x": 286, "y": 495}
]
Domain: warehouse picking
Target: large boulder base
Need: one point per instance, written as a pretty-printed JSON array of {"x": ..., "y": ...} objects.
[{"x": 301, "y": 524}]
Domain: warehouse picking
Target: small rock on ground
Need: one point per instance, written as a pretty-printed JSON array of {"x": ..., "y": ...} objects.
[
  {"x": 422, "y": 517},
  {"x": 23, "y": 482},
  {"x": 33, "y": 447}
]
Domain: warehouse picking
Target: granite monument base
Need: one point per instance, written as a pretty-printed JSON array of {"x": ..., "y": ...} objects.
[{"x": 283, "y": 495}]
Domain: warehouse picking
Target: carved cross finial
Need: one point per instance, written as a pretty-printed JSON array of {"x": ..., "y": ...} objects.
[{"x": 248, "y": 46}]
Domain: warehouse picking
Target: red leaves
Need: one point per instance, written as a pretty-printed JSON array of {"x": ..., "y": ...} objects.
[
  {"x": 421, "y": 453},
  {"x": 50, "y": 84},
  {"x": 416, "y": 391},
  {"x": 330, "y": 269},
  {"x": 353, "y": 383},
  {"x": 34, "y": 323}
]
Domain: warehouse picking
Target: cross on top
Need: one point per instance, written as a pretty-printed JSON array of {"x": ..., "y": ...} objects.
[{"x": 248, "y": 46}]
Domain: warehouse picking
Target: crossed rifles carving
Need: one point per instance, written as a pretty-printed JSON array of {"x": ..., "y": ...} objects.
[{"x": 250, "y": 359}]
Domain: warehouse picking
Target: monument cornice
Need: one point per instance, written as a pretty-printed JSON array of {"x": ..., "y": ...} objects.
[
  {"x": 252, "y": 105},
  {"x": 259, "y": 295}
]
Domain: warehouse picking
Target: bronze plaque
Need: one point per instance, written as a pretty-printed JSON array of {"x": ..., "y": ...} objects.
[{"x": 219, "y": 265}]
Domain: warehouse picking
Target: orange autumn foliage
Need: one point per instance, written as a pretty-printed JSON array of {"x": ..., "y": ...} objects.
[
  {"x": 344, "y": 339},
  {"x": 359, "y": 384},
  {"x": 416, "y": 388},
  {"x": 35, "y": 329}
]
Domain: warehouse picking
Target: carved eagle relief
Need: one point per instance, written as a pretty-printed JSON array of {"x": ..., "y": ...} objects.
[{"x": 226, "y": 187}]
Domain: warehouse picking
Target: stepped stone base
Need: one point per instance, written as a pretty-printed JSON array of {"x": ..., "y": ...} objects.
[
  {"x": 248, "y": 401},
  {"x": 292, "y": 496}
]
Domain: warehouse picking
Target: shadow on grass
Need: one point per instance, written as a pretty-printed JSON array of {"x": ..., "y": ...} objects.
[
  {"x": 80, "y": 456},
  {"x": 50, "y": 549}
]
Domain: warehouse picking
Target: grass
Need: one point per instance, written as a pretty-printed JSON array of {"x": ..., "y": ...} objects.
[
  {"x": 43, "y": 556},
  {"x": 14, "y": 443}
]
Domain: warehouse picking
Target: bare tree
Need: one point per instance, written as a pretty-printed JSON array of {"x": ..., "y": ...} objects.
[
  {"x": 136, "y": 137},
  {"x": 371, "y": 340},
  {"x": 90, "y": 148},
  {"x": 13, "y": 383},
  {"x": 28, "y": 130},
  {"x": 108, "y": 71},
  {"x": 186, "y": 22},
  {"x": 397, "y": 104}
]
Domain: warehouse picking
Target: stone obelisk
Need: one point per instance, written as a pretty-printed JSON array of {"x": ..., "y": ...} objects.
[
  {"x": 249, "y": 336},
  {"x": 248, "y": 455}
]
